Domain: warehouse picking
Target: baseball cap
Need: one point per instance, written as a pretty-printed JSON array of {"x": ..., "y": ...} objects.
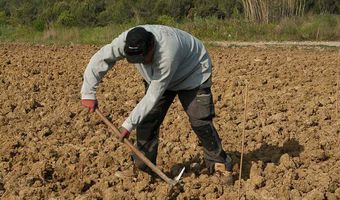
[{"x": 138, "y": 42}]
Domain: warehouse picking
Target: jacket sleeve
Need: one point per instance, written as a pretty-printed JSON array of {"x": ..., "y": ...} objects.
[
  {"x": 102, "y": 61},
  {"x": 162, "y": 75}
]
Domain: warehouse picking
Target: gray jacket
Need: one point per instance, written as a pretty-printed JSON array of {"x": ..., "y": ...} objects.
[{"x": 180, "y": 62}]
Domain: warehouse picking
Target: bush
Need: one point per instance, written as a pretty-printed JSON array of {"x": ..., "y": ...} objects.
[
  {"x": 66, "y": 19},
  {"x": 287, "y": 27},
  {"x": 39, "y": 25},
  {"x": 2, "y": 18},
  {"x": 165, "y": 20},
  {"x": 320, "y": 28}
]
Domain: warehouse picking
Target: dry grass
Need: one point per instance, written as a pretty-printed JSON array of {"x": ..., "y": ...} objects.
[{"x": 265, "y": 11}]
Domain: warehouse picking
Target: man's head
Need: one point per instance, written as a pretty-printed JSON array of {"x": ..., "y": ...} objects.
[{"x": 139, "y": 46}]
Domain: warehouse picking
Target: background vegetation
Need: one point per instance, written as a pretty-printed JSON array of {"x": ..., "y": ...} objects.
[{"x": 98, "y": 21}]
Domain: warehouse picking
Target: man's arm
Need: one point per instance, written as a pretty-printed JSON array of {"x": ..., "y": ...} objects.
[
  {"x": 161, "y": 78},
  {"x": 100, "y": 63}
]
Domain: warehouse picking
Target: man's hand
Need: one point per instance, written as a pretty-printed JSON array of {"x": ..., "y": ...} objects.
[
  {"x": 123, "y": 134},
  {"x": 91, "y": 104}
]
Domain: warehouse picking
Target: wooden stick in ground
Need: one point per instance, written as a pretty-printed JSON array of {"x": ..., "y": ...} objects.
[
  {"x": 337, "y": 72},
  {"x": 243, "y": 135},
  {"x": 139, "y": 154}
]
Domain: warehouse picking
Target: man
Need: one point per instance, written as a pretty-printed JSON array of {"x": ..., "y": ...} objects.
[{"x": 172, "y": 62}]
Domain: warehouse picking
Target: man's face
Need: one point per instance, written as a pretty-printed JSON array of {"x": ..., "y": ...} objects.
[{"x": 149, "y": 56}]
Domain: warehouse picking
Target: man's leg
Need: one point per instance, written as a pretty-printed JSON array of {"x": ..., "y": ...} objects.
[
  {"x": 198, "y": 104},
  {"x": 148, "y": 131}
]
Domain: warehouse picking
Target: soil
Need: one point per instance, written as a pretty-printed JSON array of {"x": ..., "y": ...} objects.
[{"x": 51, "y": 148}]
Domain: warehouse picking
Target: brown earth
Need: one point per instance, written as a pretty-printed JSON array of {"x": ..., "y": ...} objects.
[{"x": 51, "y": 148}]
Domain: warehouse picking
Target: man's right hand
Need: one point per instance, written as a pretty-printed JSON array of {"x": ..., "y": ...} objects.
[
  {"x": 91, "y": 104},
  {"x": 124, "y": 133}
]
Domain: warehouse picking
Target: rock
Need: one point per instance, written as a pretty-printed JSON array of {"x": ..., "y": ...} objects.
[
  {"x": 35, "y": 104},
  {"x": 250, "y": 125},
  {"x": 331, "y": 196},
  {"x": 286, "y": 161},
  {"x": 45, "y": 132},
  {"x": 270, "y": 169},
  {"x": 318, "y": 155},
  {"x": 211, "y": 196},
  {"x": 337, "y": 193},
  {"x": 257, "y": 181},
  {"x": 315, "y": 194},
  {"x": 215, "y": 179},
  {"x": 141, "y": 185},
  {"x": 108, "y": 193},
  {"x": 259, "y": 138},
  {"x": 295, "y": 194},
  {"x": 256, "y": 169},
  {"x": 256, "y": 178},
  {"x": 87, "y": 185},
  {"x": 323, "y": 181},
  {"x": 265, "y": 194},
  {"x": 276, "y": 118}
]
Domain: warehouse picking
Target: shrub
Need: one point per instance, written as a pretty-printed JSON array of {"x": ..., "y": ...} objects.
[
  {"x": 38, "y": 25},
  {"x": 287, "y": 26},
  {"x": 66, "y": 19},
  {"x": 166, "y": 20},
  {"x": 2, "y": 18},
  {"x": 320, "y": 27}
]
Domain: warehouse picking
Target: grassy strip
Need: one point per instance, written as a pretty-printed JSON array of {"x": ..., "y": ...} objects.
[{"x": 312, "y": 28}]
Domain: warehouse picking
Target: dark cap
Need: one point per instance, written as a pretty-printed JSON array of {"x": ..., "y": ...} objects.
[{"x": 137, "y": 44}]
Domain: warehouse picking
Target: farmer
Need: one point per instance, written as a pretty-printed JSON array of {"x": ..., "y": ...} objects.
[{"x": 172, "y": 62}]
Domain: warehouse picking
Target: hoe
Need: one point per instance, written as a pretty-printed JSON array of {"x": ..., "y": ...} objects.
[{"x": 139, "y": 154}]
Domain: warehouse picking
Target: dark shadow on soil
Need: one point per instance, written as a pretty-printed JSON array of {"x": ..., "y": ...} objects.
[{"x": 266, "y": 153}]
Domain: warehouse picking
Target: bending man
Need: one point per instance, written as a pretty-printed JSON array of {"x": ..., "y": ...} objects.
[{"x": 172, "y": 62}]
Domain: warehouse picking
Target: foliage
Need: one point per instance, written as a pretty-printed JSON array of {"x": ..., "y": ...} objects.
[
  {"x": 98, "y": 21},
  {"x": 324, "y": 27},
  {"x": 311, "y": 27},
  {"x": 38, "y": 25},
  {"x": 166, "y": 20},
  {"x": 2, "y": 18},
  {"x": 91, "y": 13},
  {"x": 66, "y": 18},
  {"x": 323, "y": 6}
]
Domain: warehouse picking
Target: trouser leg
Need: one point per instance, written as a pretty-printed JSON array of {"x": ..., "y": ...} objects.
[
  {"x": 198, "y": 104},
  {"x": 148, "y": 131}
]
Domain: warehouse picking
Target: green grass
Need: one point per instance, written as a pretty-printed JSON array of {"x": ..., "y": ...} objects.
[{"x": 311, "y": 28}]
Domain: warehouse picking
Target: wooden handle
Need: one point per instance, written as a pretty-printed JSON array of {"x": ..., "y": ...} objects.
[{"x": 138, "y": 153}]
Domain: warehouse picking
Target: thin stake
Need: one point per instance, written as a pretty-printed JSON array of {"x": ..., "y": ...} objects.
[
  {"x": 243, "y": 135},
  {"x": 337, "y": 97}
]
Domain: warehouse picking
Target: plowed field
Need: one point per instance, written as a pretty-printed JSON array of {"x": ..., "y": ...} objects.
[{"x": 51, "y": 148}]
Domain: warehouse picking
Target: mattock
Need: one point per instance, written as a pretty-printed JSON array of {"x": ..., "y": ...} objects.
[{"x": 140, "y": 155}]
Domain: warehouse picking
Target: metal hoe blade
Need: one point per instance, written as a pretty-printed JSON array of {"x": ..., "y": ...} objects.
[{"x": 179, "y": 175}]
